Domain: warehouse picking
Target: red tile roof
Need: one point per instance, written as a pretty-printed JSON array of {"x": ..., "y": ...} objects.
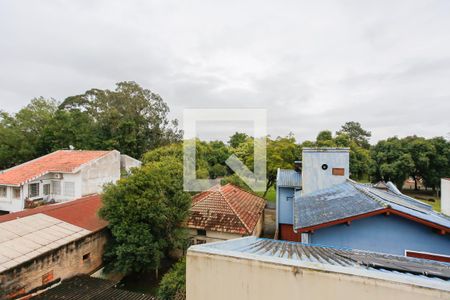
[
  {"x": 81, "y": 212},
  {"x": 64, "y": 161},
  {"x": 226, "y": 209}
]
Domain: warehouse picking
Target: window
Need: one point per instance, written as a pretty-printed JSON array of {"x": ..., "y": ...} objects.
[
  {"x": 47, "y": 189},
  {"x": 2, "y": 191},
  {"x": 47, "y": 277},
  {"x": 16, "y": 193},
  {"x": 427, "y": 255},
  {"x": 338, "y": 171},
  {"x": 33, "y": 190},
  {"x": 201, "y": 232},
  {"x": 69, "y": 189},
  {"x": 56, "y": 187},
  {"x": 86, "y": 257}
]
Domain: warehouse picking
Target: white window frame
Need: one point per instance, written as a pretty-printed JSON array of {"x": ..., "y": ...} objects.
[
  {"x": 13, "y": 191},
  {"x": 69, "y": 188},
  {"x": 30, "y": 190},
  {"x": 6, "y": 191},
  {"x": 56, "y": 187},
  {"x": 44, "y": 186}
]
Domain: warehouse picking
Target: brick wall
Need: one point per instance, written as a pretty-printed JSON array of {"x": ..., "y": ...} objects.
[{"x": 83, "y": 256}]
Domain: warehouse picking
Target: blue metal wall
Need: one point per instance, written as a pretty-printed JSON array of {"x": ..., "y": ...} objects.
[
  {"x": 285, "y": 205},
  {"x": 388, "y": 234}
]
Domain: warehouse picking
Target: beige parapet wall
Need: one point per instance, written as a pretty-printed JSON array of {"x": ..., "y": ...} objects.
[{"x": 214, "y": 276}]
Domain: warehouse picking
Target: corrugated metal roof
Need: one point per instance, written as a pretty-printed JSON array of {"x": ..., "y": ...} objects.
[
  {"x": 352, "y": 199},
  {"x": 408, "y": 270},
  {"x": 331, "y": 204},
  {"x": 289, "y": 178},
  {"x": 24, "y": 239},
  {"x": 84, "y": 287}
]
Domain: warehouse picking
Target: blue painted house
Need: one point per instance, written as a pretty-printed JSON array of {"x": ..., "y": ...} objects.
[{"x": 360, "y": 216}]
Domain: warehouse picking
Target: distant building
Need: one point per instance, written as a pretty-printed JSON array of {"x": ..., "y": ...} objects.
[
  {"x": 360, "y": 216},
  {"x": 262, "y": 269},
  {"x": 42, "y": 246},
  {"x": 322, "y": 206},
  {"x": 60, "y": 176},
  {"x": 445, "y": 196},
  {"x": 320, "y": 168},
  {"x": 225, "y": 212}
]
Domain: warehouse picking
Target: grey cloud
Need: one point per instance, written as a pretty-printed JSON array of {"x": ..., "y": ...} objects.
[{"x": 313, "y": 65}]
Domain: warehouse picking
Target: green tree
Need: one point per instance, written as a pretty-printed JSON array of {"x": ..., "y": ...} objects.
[
  {"x": 325, "y": 139},
  {"x": 356, "y": 133},
  {"x": 421, "y": 151},
  {"x": 21, "y": 134},
  {"x": 130, "y": 118},
  {"x": 145, "y": 211},
  {"x": 173, "y": 283},
  {"x": 439, "y": 163},
  {"x": 237, "y": 138},
  {"x": 391, "y": 161}
]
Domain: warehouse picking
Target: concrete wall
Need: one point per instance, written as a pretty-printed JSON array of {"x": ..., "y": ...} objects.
[
  {"x": 314, "y": 177},
  {"x": 285, "y": 203},
  {"x": 128, "y": 162},
  {"x": 217, "y": 236},
  {"x": 9, "y": 203},
  {"x": 97, "y": 173},
  {"x": 54, "y": 265},
  {"x": 388, "y": 234},
  {"x": 223, "y": 278},
  {"x": 445, "y": 196},
  {"x": 211, "y": 236}
]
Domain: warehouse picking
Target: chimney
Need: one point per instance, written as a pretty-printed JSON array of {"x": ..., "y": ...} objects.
[
  {"x": 298, "y": 166},
  {"x": 445, "y": 196},
  {"x": 324, "y": 167}
]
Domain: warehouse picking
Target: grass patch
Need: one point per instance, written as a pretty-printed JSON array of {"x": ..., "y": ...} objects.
[
  {"x": 427, "y": 198},
  {"x": 271, "y": 194}
]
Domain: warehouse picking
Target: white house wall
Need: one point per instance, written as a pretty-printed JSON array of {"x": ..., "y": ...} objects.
[
  {"x": 9, "y": 203},
  {"x": 97, "y": 173},
  {"x": 445, "y": 196},
  {"x": 314, "y": 177}
]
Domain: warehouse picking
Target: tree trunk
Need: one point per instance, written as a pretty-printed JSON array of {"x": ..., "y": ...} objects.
[{"x": 415, "y": 183}]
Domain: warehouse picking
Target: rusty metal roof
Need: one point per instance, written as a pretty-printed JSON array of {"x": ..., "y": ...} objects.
[
  {"x": 81, "y": 212},
  {"x": 289, "y": 178}
]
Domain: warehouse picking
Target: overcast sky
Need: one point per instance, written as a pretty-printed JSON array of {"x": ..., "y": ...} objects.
[{"x": 313, "y": 64}]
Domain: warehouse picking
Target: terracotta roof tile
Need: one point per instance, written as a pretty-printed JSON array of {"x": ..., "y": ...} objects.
[
  {"x": 226, "y": 209},
  {"x": 81, "y": 212},
  {"x": 64, "y": 161}
]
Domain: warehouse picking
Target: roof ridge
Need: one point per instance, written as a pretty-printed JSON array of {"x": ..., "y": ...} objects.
[
  {"x": 203, "y": 198},
  {"x": 234, "y": 210},
  {"x": 368, "y": 194}
]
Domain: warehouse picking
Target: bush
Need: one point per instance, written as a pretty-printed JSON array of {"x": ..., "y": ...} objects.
[{"x": 173, "y": 283}]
